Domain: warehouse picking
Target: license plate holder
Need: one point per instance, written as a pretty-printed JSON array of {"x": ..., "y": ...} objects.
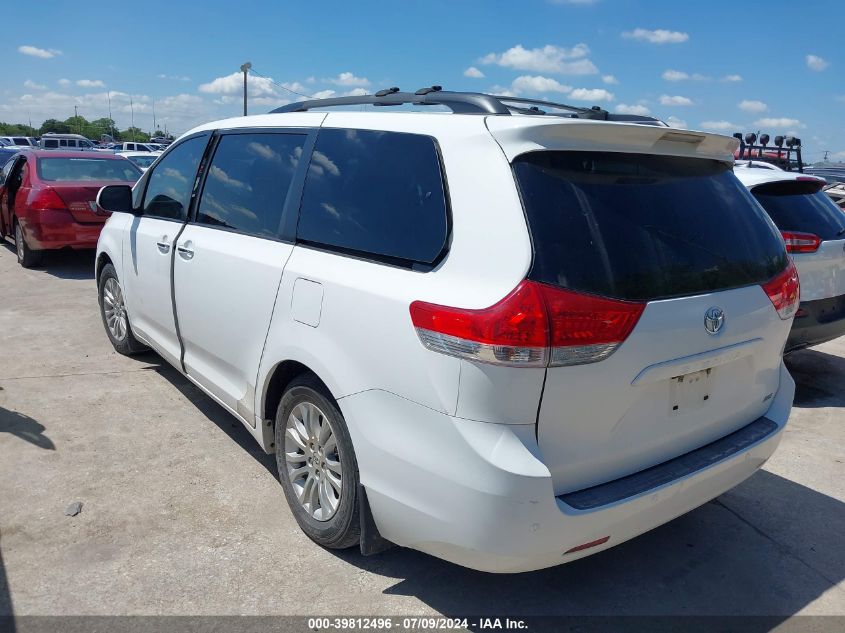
[{"x": 690, "y": 391}]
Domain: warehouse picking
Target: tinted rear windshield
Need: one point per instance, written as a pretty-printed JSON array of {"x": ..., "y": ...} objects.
[
  {"x": 641, "y": 227},
  {"x": 80, "y": 169},
  {"x": 801, "y": 206}
]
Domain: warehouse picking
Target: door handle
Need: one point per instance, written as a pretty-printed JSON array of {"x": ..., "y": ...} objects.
[
  {"x": 186, "y": 251},
  {"x": 163, "y": 245}
]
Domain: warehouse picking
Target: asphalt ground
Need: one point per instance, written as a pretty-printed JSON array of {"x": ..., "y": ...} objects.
[{"x": 182, "y": 513}]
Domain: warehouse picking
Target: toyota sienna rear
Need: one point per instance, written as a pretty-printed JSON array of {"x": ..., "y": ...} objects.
[{"x": 506, "y": 340}]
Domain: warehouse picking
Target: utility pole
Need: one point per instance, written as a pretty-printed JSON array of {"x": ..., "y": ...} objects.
[
  {"x": 826, "y": 152},
  {"x": 154, "y": 117},
  {"x": 132, "y": 110},
  {"x": 76, "y": 117},
  {"x": 111, "y": 120},
  {"x": 245, "y": 69}
]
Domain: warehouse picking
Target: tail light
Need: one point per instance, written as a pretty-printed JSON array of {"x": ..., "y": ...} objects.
[
  {"x": 801, "y": 242},
  {"x": 46, "y": 200},
  {"x": 784, "y": 292},
  {"x": 534, "y": 326}
]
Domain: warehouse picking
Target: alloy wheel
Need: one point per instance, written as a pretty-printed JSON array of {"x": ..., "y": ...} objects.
[
  {"x": 114, "y": 309},
  {"x": 313, "y": 461}
]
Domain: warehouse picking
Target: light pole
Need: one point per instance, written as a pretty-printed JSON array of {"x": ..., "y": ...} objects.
[{"x": 245, "y": 69}]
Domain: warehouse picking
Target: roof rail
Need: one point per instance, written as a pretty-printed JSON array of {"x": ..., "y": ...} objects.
[
  {"x": 465, "y": 103},
  {"x": 458, "y": 102}
]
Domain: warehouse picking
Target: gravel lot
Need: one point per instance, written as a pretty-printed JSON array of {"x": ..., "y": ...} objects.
[{"x": 182, "y": 512}]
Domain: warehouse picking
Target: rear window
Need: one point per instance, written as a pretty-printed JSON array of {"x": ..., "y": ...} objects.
[
  {"x": 801, "y": 206},
  {"x": 20, "y": 141},
  {"x": 640, "y": 227},
  {"x": 82, "y": 169}
]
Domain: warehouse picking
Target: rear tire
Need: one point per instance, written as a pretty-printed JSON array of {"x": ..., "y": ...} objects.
[
  {"x": 27, "y": 257},
  {"x": 317, "y": 465},
  {"x": 114, "y": 314}
]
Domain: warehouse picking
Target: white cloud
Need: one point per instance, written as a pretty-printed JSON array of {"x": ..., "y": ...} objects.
[
  {"x": 34, "y": 51},
  {"x": 324, "y": 94},
  {"x": 33, "y": 86},
  {"x": 720, "y": 126},
  {"x": 90, "y": 83},
  {"x": 550, "y": 59},
  {"x": 657, "y": 36},
  {"x": 676, "y": 100},
  {"x": 674, "y": 75},
  {"x": 779, "y": 122},
  {"x": 65, "y": 82},
  {"x": 814, "y": 62},
  {"x": 348, "y": 79},
  {"x": 502, "y": 91},
  {"x": 732, "y": 78},
  {"x": 175, "y": 77},
  {"x": 355, "y": 92},
  {"x": 674, "y": 121},
  {"x": 679, "y": 75},
  {"x": 591, "y": 94},
  {"x": 624, "y": 108},
  {"x": 609, "y": 80},
  {"x": 751, "y": 105},
  {"x": 234, "y": 84},
  {"x": 473, "y": 72},
  {"x": 537, "y": 84}
]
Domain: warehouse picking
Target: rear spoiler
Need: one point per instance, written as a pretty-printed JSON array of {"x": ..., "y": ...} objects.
[{"x": 518, "y": 135}]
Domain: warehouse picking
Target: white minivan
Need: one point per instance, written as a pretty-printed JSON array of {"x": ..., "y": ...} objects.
[{"x": 510, "y": 336}]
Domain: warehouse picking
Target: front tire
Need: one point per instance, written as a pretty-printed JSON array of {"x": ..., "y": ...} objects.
[
  {"x": 114, "y": 314},
  {"x": 317, "y": 465},
  {"x": 26, "y": 256}
]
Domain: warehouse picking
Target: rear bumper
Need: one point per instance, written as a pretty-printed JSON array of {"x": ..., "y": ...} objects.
[
  {"x": 57, "y": 229},
  {"x": 822, "y": 320},
  {"x": 478, "y": 494}
]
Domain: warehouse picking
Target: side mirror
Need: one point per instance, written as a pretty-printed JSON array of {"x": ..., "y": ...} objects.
[{"x": 115, "y": 199}]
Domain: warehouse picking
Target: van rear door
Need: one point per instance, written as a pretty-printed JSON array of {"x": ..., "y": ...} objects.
[{"x": 666, "y": 225}]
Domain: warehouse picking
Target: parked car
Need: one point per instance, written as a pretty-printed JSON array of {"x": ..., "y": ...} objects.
[
  {"x": 575, "y": 341},
  {"x": 836, "y": 191},
  {"x": 7, "y": 153},
  {"x": 813, "y": 228},
  {"x": 131, "y": 147},
  {"x": 65, "y": 142},
  {"x": 17, "y": 141},
  {"x": 47, "y": 199},
  {"x": 142, "y": 159}
]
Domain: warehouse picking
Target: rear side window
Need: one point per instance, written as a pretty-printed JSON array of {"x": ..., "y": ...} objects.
[
  {"x": 375, "y": 193},
  {"x": 801, "y": 206},
  {"x": 21, "y": 141},
  {"x": 248, "y": 181},
  {"x": 51, "y": 143},
  {"x": 642, "y": 227},
  {"x": 172, "y": 181},
  {"x": 86, "y": 169}
]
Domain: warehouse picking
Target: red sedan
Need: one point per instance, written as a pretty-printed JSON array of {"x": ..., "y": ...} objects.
[{"x": 47, "y": 199}]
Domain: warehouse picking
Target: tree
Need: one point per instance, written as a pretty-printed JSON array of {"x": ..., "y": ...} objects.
[
  {"x": 134, "y": 133},
  {"x": 54, "y": 125}
]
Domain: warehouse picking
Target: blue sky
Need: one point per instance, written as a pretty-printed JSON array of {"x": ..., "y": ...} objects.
[{"x": 773, "y": 66}]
